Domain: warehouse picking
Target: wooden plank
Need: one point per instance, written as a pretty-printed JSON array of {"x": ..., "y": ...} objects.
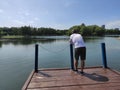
[
  {"x": 28, "y": 81},
  {"x": 74, "y": 79},
  {"x": 51, "y": 69},
  {"x": 55, "y": 73},
  {"x": 102, "y": 86},
  {"x": 66, "y": 79},
  {"x": 100, "y": 79},
  {"x": 66, "y": 83},
  {"x": 79, "y": 88},
  {"x": 114, "y": 71}
]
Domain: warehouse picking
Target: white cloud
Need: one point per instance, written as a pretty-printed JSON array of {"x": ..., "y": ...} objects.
[
  {"x": 26, "y": 14},
  {"x": 36, "y": 18},
  {"x": 68, "y": 3},
  {"x": 22, "y": 23},
  {"x": 1, "y": 11},
  {"x": 58, "y": 26},
  {"x": 31, "y": 22},
  {"x": 18, "y": 22},
  {"x": 23, "y": 12},
  {"x": 113, "y": 24}
]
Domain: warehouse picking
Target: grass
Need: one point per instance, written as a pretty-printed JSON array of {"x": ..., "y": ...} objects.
[{"x": 11, "y": 37}]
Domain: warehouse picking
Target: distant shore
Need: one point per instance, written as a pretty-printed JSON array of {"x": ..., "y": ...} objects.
[
  {"x": 11, "y": 37},
  {"x": 119, "y": 38},
  {"x": 14, "y": 37}
]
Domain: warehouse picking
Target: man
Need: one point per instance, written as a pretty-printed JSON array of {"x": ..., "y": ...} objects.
[{"x": 80, "y": 49}]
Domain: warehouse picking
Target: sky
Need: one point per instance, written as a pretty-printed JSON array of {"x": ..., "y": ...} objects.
[{"x": 59, "y": 14}]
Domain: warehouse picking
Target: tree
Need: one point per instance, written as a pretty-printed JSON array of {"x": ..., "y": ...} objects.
[
  {"x": 0, "y": 34},
  {"x": 88, "y": 30},
  {"x": 85, "y": 31},
  {"x": 99, "y": 31},
  {"x": 26, "y": 30}
]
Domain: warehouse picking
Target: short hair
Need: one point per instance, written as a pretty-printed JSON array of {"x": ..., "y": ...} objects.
[{"x": 75, "y": 31}]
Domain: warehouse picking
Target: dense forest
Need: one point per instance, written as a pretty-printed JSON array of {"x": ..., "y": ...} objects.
[
  {"x": 30, "y": 31},
  {"x": 94, "y": 30},
  {"x": 91, "y": 30}
]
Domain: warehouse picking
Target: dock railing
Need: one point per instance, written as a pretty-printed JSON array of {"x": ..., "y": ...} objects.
[
  {"x": 104, "y": 58},
  {"x": 103, "y": 47},
  {"x": 36, "y": 58},
  {"x": 71, "y": 54}
]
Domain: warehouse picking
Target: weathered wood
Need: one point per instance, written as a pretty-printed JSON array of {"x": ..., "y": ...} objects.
[
  {"x": 28, "y": 80},
  {"x": 65, "y": 79}
]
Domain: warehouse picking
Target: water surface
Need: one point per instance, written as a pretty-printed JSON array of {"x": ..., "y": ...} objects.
[{"x": 17, "y": 56}]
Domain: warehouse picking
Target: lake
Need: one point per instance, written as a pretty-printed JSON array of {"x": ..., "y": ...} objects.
[{"x": 17, "y": 56}]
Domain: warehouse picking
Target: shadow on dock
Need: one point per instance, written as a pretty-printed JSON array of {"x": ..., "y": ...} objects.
[
  {"x": 44, "y": 74},
  {"x": 95, "y": 77}
]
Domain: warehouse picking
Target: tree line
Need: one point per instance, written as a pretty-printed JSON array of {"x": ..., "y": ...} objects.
[
  {"x": 30, "y": 31},
  {"x": 91, "y": 30},
  {"x": 94, "y": 30}
]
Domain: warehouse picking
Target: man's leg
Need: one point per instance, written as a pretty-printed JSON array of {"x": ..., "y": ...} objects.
[
  {"x": 83, "y": 57},
  {"x": 82, "y": 65},
  {"x": 76, "y": 65},
  {"x": 76, "y": 58}
]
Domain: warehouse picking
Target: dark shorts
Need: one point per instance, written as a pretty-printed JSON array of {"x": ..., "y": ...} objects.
[{"x": 80, "y": 52}]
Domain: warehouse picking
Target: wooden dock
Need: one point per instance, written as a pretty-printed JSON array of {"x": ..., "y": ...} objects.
[{"x": 94, "y": 78}]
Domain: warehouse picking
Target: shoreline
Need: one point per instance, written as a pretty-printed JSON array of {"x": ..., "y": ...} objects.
[{"x": 11, "y": 37}]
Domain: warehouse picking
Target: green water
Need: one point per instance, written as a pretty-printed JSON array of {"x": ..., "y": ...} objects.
[{"x": 17, "y": 56}]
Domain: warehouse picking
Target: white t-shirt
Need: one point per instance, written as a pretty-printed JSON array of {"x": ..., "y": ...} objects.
[{"x": 77, "y": 40}]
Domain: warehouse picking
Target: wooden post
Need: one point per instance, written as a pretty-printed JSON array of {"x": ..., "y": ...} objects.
[
  {"x": 104, "y": 55},
  {"x": 36, "y": 58},
  {"x": 71, "y": 54}
]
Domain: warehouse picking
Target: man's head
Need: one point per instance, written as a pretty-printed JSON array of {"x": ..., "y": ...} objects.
[{"x": 75, "y": 31}]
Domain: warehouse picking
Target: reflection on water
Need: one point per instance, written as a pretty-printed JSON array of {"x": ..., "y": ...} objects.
[
  {"x": 0, "y": 44},
  {"x": 42, "y": 39},
  {"x": 92, "y": 39},
  {"x": 27, "y": 41}
]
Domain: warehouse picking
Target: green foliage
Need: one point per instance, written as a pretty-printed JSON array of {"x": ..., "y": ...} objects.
[
  {"x": 112, "y": 31},
  {"x": 28, "y": 31},
  {"x": 73, "y": 27},
  {"x": 91, "y": 30}
]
